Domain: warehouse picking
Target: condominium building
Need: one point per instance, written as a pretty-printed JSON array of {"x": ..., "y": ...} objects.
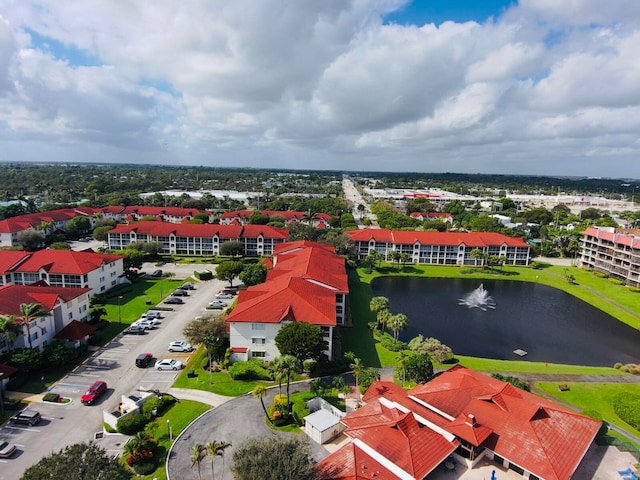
[{"x": 612, "y": 252}]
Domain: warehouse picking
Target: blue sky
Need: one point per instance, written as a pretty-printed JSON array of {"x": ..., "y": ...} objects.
[
  {"x": 420, "y": 12},
  {"x": 539, "y": 87}
]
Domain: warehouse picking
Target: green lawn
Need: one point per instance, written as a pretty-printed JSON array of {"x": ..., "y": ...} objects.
[
  {"x": 596, "y": 397},
  {"x": 222, "y": 383},
  {"x": 490, "y": 365},
  {"x": 180, "y": 415}
]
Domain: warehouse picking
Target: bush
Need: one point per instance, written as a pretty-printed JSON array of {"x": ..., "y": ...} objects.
[
  {"x": 249, "y": 370},
  {"x": 300, "y": 411},
  {"x": 617, "y": 366},
  {"x": 627, "y": 407},
  {"x": 634, "y": 289},
  {"x": 51, "y": 397},
  {"x": 515, "y": 381},
  {"x": 615, "y": 281},
  {"x": 131, "y": 424},
  {"x": 278, "y": 408},
  {"x": 145, "y": 467},
  {"x": 309, "y": 365}
]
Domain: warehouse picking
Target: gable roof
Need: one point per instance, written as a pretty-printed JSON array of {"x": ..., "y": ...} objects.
[
  {"x": 12, "y": 296},
  {"x": 352, "y": 463},
  {"x": 164, "y": 229},
  {"x": 75, "y": 331},
  {"x": 57, "y": 261},
  {"x": 409, "y": 237}
]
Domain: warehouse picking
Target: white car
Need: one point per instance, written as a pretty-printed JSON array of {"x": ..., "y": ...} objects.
[
  {"x": 180, "y": 346},
  {"x": 218, "y": 304},
  {"x": 226, "y": 296},
  {"x": 169, "y": 364},
  {"x": 144, "y": 323}
]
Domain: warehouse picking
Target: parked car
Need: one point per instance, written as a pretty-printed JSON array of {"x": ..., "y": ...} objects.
[
  {"x": 151, "y": 314},
  {"x": 187, "y": 286},
  {"x": 180, "y": 346},
  {"x": 94, "y": 393},
  {"x": 174, "y": 301},
  {"x": 218, "y": 304},
  {"x": 169, "y": 364},
  {"x": 146, "y": 324},
  {"x": 26, "y": 417},
  {"x": 180, "y": 293},
  {"x": 6, "y": 449},
  {"x": 230, "y": 290},
  {"x": 157, "y": 273},
  {"x": 134, "y": 330},
  {"x": 224, "y": 295},
  {"x": 144, "y": 359}
]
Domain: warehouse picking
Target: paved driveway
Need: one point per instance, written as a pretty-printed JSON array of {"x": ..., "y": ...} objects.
[{"x": 235, "y": 421}]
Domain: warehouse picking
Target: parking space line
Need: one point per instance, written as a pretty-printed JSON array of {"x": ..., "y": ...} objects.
[
  {"x": 72, "y": 385},
  {"x": 30, "y": 430}
]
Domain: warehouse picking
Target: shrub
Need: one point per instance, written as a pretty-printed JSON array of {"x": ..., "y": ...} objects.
[
  {"x": 205, "y": 363},
  {"x": 617, "y": 366},
  {"x": 300, "y": 411},
  {"x": 249, "y": 370},
  {"x": 278, "y": 408},
  {"x": 615, "y": 281},
  {"x": 627, "y": 407},
  {"x": 633, "y": 289},
  {"x": 51, "y": 397},
  {"x": 145, "y": 467},
  {"x": 131, "y": 424},
  {"x": 515, "y": 381},
  {"x": 309, "y": 365},
  {"x": 108, "y": 428}
]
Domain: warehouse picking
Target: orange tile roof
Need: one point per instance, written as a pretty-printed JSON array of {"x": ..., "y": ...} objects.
[
  {"x": 9, "y": 259},
  {"x": 408, "y": 237},
  {"x": 353, "y": 463},
  {"x": 59, "y": 261},
  {"x": 164, "y": 229},
  {"x": 12, "y": 296}
]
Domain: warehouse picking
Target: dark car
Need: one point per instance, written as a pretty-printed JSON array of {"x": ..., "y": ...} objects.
[
  {"x": 26, "y": 417},
  {"x": 180, "y": 293},
  {"x": 94, "y": 393},
  {"x": 134, "y": 330},
  {"x": 187, "y": 286},
  {"x": 174, "y": 301},
  {"x": 144, "y": 359},
  {"x": 157, "y": 273}
]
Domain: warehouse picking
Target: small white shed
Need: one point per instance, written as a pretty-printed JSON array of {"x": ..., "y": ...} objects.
[{"x": 322, "y": 426}]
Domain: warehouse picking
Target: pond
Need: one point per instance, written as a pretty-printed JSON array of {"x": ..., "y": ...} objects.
[{"x": 549, "y": 324}]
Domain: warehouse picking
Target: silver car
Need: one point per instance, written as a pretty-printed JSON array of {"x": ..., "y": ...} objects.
[{"x": 169, "y": 364}]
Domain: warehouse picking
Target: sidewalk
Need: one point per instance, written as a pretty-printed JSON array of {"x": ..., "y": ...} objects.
[
  {"x": 201, "y": 396},
  {"x": 28, "y": 397}
]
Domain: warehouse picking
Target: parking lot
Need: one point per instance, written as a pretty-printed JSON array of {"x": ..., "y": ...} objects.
[{"x": 74, "y": 422}]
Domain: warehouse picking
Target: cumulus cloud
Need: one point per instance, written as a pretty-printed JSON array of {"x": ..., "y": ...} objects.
[{"x": 546, "y": 87}]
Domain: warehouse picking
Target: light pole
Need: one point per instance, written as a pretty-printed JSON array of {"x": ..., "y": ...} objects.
[
  {"x": 169, "y": 429},
  {"x": 119, "y": 315}
]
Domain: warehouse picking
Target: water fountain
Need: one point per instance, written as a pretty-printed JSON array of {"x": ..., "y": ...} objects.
[{"x": 479, "y": 298}]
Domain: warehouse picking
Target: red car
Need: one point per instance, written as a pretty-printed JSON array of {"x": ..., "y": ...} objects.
[{"x": 95, "y": 391}]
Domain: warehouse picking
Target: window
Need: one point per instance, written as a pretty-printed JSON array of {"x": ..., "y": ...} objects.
[
  {"x": 258, "y": 341},
  {"x": 258, "y": 354},
  {"x": 257, "y": 326},
  {"x": 43, "y": 330},
  {"x": 70, "y": 315},
  {"x": 33, "y": 336}
]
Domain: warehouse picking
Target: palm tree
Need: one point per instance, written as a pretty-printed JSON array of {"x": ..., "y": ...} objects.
[
  {"x": 357, "y": 368},
  {"x": 28, "y": 313},
  {"x": 288, "y": 364},
  {"x": 212, "y": 448},
  {"x": 396, "y": 323},
  {"x": 380, "y": 306},
  {"x": 402, "y": 360},
  {"x": 222, "y": 446},
  {"x": 259, "y": 392},
  {"x": 198, "y": 451},
  {"x": 8, "y": 330},
  {"x": 277, "y": 372}
]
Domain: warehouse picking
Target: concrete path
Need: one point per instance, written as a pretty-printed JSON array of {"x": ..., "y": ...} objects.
[{"x": 201, "y": 396}]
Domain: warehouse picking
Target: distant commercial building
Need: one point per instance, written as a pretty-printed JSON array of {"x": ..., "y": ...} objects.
[
  {"x": 612, "y": 252},
  {"x": 441, "y": 248}
]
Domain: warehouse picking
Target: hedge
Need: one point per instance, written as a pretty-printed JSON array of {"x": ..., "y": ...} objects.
[{"x": 627, "y": 407}]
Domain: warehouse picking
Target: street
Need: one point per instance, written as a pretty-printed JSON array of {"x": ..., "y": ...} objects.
[{"x": 64, "y": 425}]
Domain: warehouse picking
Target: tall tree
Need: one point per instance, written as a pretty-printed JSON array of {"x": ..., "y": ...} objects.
[
  {"x": 380, "y": 306},
  {"x": 198, "y": 452},
  {"x": 288, "y": 365},
  {"x": 357, "y": 367},
  {"x": 8, "y": 330},
  {"x": 259, "y": 392},
  {"x": 253, "y": 274},
  {"x": 229, "y": 270},
  {"x": 273, "y": 458},
  {"x": 300, "y": 339},
  {"x": 396, "y": 323},
  {"x": 81, "y": 461},
  {"x": 28, "y": 313}
]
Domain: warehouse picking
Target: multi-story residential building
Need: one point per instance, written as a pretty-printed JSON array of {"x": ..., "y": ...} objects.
[
  {"x": 98, "y": 272},
  {"x": 197, "y": 239},
  {"x": 241, "y": 217},
  {"x": 56, "y": 220},
  {"x": 461, "y": 415},
  {"x": 308, "y": 283},
  {"x": 64, "y": 305},
  {"x": 441, "y": 248},
  {"x": 612, "y": 252}
]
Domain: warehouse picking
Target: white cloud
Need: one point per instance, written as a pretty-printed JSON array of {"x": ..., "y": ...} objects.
[{"x": 544, "y": 88}]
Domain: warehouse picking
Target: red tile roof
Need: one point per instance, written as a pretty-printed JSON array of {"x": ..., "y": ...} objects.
[
  {"x": 302, "y": 286},
  {"x": 239, "y": 349},
  {"x": 56, "y": 261},
  {"x": 12, "y": 296},
  {"x": 75, "y": 331},
  {"x": 245, "y": 214},
  {"x": 471, "y": 239},
  {"x": 536, "y": 434},
  {"x": 353, "y": 463},
  {"x": 201, "y": 230}
]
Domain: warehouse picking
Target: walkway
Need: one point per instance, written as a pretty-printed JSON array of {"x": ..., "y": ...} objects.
[{"x": 201, "y": 396}]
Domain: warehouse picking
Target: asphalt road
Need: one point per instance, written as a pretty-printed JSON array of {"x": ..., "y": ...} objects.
[{"x": 64, "y": 425}]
